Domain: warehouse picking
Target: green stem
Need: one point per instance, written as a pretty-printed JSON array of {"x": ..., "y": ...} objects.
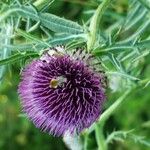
[
  {"x": 85, "y": 141},
  {"x": 100, "y": 139},
  {"x": 110, "y": 110},
  {"x": 113, "y": 107},
  {"x": 95, "y": 22},
  {"x": 99, "y": 127}
]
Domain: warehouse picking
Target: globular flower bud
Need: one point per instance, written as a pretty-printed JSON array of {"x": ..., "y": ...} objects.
[{"x": 62, "y": 93}]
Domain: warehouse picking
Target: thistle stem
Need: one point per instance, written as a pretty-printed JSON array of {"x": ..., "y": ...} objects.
[
  {"x": 110, "y": 110},
  {"x": 113, "y": 107},
  {"x": 99, "y": 127},
  {"x": 100, "y": 137},
  {"x": 95, "y": 22},
  {"x": 85, "y": 141}
]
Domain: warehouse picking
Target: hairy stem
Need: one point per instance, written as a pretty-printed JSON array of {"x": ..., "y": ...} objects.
[
  {"x": 100, "y": 137},
  {"x": 85, "y": 141},
  {"x": 110, "y": 110},
  {"x": 113, "y": 107}
]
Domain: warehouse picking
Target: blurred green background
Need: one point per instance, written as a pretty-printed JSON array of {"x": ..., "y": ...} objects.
[{"x": 18, "y": 133}]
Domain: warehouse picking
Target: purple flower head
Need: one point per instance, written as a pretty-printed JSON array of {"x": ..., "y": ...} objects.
[{"x": 60, "y": 93}]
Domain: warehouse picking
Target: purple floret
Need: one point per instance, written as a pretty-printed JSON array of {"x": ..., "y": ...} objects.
[{"x": 61, "y": 94}]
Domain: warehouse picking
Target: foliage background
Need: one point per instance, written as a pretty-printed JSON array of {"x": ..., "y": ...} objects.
[{"x": 17, "y": 132}]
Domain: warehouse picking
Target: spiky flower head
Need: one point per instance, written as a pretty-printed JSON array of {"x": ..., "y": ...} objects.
[{"x": 61, "y": 92}]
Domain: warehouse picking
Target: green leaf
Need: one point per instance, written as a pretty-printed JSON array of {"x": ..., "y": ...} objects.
[
  {"x": 122, "y": 74},
  {"x": 34, "y": 27},
  {"x": 17, "y": 57},
  {"x": 139, "y": 31},
  {"x": 123, "y": 135},
  {"x": 118, "y": 136},
  {"x": 136, "y": 14},
  {"x": 143, "y": 54},
  {"x": 140, "y": 139},
  {"x": 58, "y": 24},
  {"x": 134, "y": 10},
  {"x": 57, "y": 40},
  {"x": 5, "y": 28},
  {"x": 96, "y": 18},
  {"x": 135, "y": 20},
  {"x": 121, "y": 47},
  {"x": 28, "y": 36},
  {"x": 116, "y": 63},
  {"x": 32, "y": 38},
  {"x": 52, "y": 22},
  {"x": 145, "y": 3}
]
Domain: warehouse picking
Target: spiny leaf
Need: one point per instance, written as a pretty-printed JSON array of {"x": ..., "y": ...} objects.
[
  {"x": 135, "y": 20},
  {"x": 136, "y": 14},
  {"x": 140, "y": 139},
  {"x": 134, "y": 9},
  {"x": 121, "y": 47},
  {"x": 117, "y": 135},
  {"x": 57, "y": 24},
  {"x": 50, "y": 21},
  {"x": 122, "y": 135},
  {"x": 5, "y": 52},
  {"x": 146, "y": 3},
  {"x": 34, "y": 27},
  {"x": 116, "y": 63},
  {"x": 122, "y": 74},
  {"x": 36, "y": 46},
  {"x": 143, "y": 54},
  {"x": 17, "y": 57},
  {"x": 31, "y": 37},
  {"x": 139, "y": 31}
]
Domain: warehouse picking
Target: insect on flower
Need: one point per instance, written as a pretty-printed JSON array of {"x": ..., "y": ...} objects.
[{"x": 61, "y": 92}]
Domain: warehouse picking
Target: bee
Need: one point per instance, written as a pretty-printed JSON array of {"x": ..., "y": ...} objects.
[
  {"x": 59, "y": 81},
  {"x": 54, "y": 51}
]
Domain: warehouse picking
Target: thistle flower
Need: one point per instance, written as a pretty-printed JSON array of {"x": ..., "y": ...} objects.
[{"x": 61, "y": 93}]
